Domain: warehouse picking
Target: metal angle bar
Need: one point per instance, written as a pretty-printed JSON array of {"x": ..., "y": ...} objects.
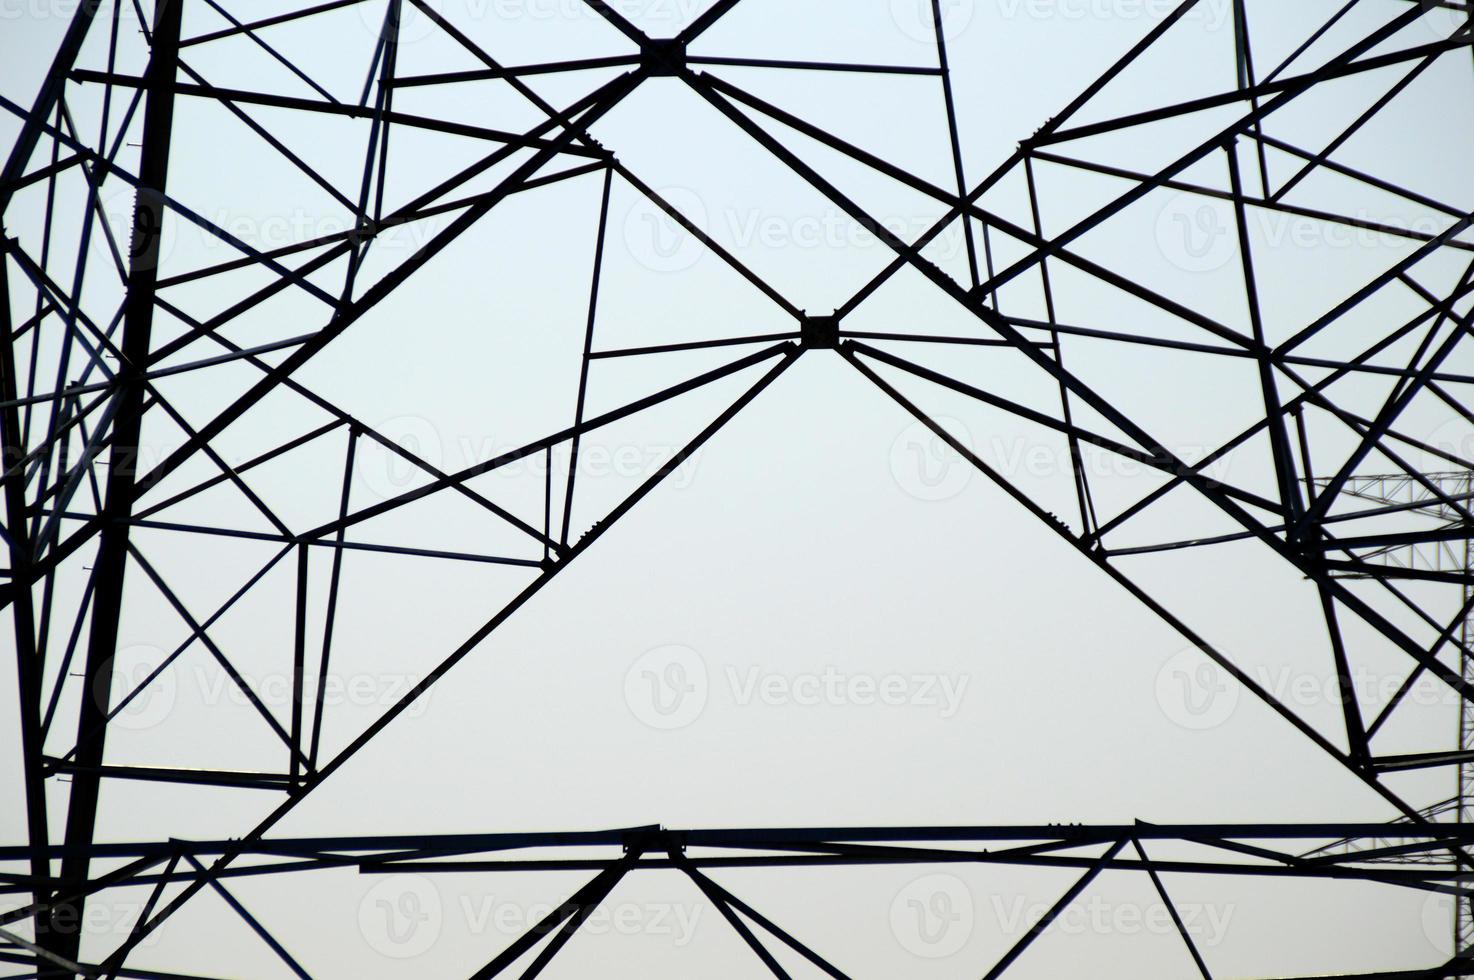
[
  {"x": 1278, "y": 207},
  {"x": 366, "y": 431},
  {"x": 717, "y": 893},
  {"x": 386, "y": 846},
  {"x": 128, "y": 872},
  {"x": 1337, "y": 68},
  {"x": 966, "y": 208},
  {"x": 555, "y": 116},
  {"x": 618, "y": 20},
  {"x": 250, "y": 920},
  {"x": 1366, "y": 612},
  {"x": 1120, "y": 65},
  {"x": 953, "y": 136},
  {"x": 1361, "y": 176},
  {"x": 1140, "y": 594},
  {"x": 74, "y": 390},
  {"x": 1307, "y": 396},
  {"x": 700, "y": 235},
  {"x": 765, "y": 338},
  {"x": 706, "y": 19},
  {"x": 1187, "y": 940},
  {"x": 477, "y": 637},
  {"x": 154, "y": 893},
  {"x": 515, "y": 71},
  {"x": 202, "y": 634},
  {"x": 335, "y": 583},
  {"x": 1396, "y": 271},
  {"x": 577, "y": 906},
  {"x": 1083, "y": 499},
  {"x": 1156, "y": 461},
  {"x": 601, "y": 101},
  {"x": 29, "y": 666},
  {"x": 1406, "y": 686},
  {"x": 226, "y": 96},
  {"x": 265, "y": 22},
  {"x": 917, "y": 338},
  {"x": 51, "y": 91},
  {"x": 539, "y": 445},
  {"x": 733, "y": 919},
  {"x": 92, "y": 969},
  {"x": 113, "y": 539},
  {"x": 244, "y": 467},
  {"x": 289, "y": 276},
  {"x": 293, "y": 540},
  {"x": 1059, "y": 906},
  {"x": 373, "y": 228},
  {"x": 163, "y": 774},
  {"x": 813, "y": 65},
  {"x": 583, "y": 369},
  {"x": 1292, "y": 89},
  {"x": 1340, "y": 140},
  {"x": 1291, "y": 506},
  {"x": 275, "y": 54},
  {"x": 564, "y": 934}
]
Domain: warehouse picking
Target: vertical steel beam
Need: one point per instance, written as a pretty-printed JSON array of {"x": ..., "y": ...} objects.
[
  {"x": 28, "y": 663},
  {"x": 112, "y": 551}
]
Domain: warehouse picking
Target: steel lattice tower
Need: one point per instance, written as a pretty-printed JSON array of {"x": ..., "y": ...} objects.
[{"x": 181, "y": 436}]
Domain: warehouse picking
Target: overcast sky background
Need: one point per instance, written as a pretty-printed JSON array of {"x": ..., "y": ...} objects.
[{"x": 821, "y": 533}]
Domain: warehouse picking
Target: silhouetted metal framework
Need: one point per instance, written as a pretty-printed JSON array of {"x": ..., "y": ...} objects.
[{"x": 79, "y": 378}]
